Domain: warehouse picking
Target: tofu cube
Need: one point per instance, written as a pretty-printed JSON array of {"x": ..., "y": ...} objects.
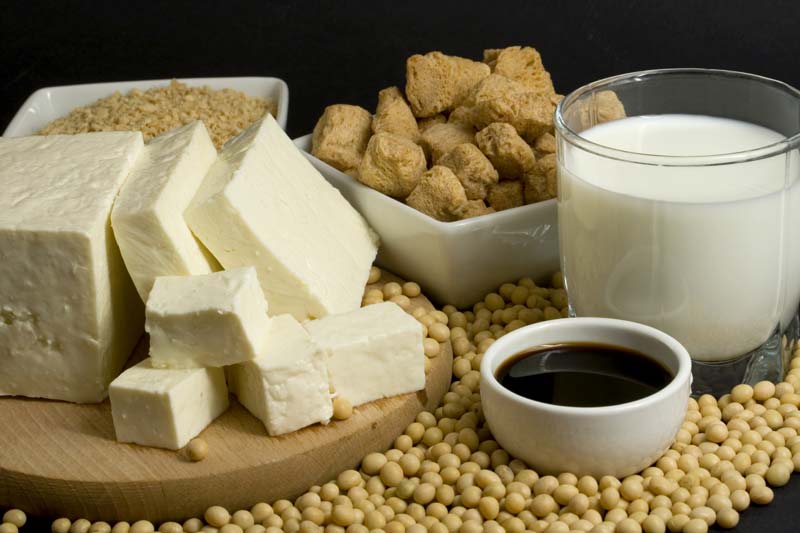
[
  {"x": 166, "y": 408},
  {"x": 439, "y": 139},
  {"x": 264, "y": 204},
  {"x": 436, "y": 82},
  {"x": 505, "y": 195},
  {"x": 208, "y": 320},
  {"x": 523, "y": 64},
  {"x": 472, "y": 168},
  {"x": 148, "y": 215},
  {"x": 69, "y": 313},
  {"x": 375, "y": 352},
  {"x": 287, "y": 386}
]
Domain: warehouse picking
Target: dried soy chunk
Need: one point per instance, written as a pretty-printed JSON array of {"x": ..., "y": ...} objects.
[
  {"x": 441, "y": 138},
  {"x": 392, "y": 165},
  {"x": 393, "y": 115},
  {"x": 545, "y": 144},
  {"x": 541, "y": 182},
  {"x": 473, "y": 208},
  {"x": 436, "y": 82},
  {"x": 500, "y": 99},
  {"x": 505, "y": 195},
  {"x": 472, "y": 168},
  {"x": 425, "y": 123},
  {"x": 522, "y": 64},
  {"x": 600, "y": 107},
  {"x": 460, "y": 115},
  {"x": 438, "y": 194},
  {"x": 341, "y": 135},
  {"x": 508, "y": 152}
]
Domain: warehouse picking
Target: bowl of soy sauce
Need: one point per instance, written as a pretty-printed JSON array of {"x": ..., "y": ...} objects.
[{"x": 592, "y": 396}]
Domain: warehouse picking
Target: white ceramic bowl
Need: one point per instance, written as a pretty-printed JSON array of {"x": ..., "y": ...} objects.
[
  {"x": 455, "y": 262},
  {"x": 616, "y": 440},
  {"x": 51, "y": 103}
]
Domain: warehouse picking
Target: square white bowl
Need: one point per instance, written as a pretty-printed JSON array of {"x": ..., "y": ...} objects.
[
  {"x": 455, "y": 262},
  {"x": 50, "y": 103}
]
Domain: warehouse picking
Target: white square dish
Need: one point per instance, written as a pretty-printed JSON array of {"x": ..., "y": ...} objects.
[
  {"x": 50, "y": 103},
  {"x": 454, "y": 262}
]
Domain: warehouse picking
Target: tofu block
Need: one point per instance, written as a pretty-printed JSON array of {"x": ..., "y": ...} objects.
[
  {"x": 69, "y": 313},
  {"x": 166, "y": 408},
  {"x": 148, "y": 215},
  {"x": 375, "y": 352},
  {"x": 287, "y": 386},
  {"x": 209, "y": 320},
  {"x": 263, "y": 204}
]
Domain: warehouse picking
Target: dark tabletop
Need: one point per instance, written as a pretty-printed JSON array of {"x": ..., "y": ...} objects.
[{"x": 331, "y": 52}]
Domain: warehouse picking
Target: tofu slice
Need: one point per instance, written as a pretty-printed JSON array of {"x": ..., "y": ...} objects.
[
  {"x": 212, "y": 320},
  {"x": 263, "y": 204},
  {"x": 287, "y": 387},
  {"x": 69, "y": 314},
  {"x": 148, "y": 214},
  {"x": 375, "y": 352},
  {"x": 166, "y": 408}
]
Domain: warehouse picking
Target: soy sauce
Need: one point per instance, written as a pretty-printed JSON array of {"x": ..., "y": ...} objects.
[{"x": 582, "y": 374}]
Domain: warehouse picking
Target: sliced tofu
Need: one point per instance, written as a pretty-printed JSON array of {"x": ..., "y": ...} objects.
[
  {"x": 148, "y": 214},
  {"x": 166, "y": 408},
  {"x": 211, "y": 320},
  {"x": 375, "y": 352},
  {"x": 263, "y": 204},
  {"x": 69, "y": 314},
  {"x": 287, "y": 386}
]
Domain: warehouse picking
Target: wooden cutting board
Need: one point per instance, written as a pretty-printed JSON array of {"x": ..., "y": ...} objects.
[{"x": 61, "y": 459}]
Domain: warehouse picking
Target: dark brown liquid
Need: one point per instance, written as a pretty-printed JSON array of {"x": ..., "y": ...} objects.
[{"x": 582, "y": 374}]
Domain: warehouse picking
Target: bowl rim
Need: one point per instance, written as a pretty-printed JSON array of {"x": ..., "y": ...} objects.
[
  {"x": 282, "y": 101},
  {"x": 304, "y": 141},
  {"x": 499, "y": 347}
]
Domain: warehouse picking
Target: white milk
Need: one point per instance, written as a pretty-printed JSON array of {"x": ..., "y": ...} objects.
[{"x": 710, "y": 255}]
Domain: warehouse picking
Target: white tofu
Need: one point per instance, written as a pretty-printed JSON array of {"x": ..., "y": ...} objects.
[
  {"x": 287, "y": 387},
  {"x": 263, "y": 204},
  {"x": 166, "y": 408},
  {"x": 375, "y": 352},
  {"x": 148, "y": 215},
  {"x": 69, "y": 314},
  {"x": 208, "y": 320}
]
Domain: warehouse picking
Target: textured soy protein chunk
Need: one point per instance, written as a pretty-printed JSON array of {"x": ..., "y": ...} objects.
[
  {"x": 425, "y": 123},
  {"x": 473, "y": 208},
  {"x": 545, "y": 144},
  {"x": 500, "y": 99},
  {"x": 508, "y": 152},
  {"x": 541, "y": 182},
  {"x": 341, "y": 135},
  {"x": 393, "y": 115},
  {"x": 505, "y": 195},
  {"x": 522, "y": 64},
  {"x": 439, "y": 194},
  {"x": 392, "y": 165},
  {"x": 439, "y": 139},
  {"x": 436, "y": 82},
  {"x": 472, "y": 168}
]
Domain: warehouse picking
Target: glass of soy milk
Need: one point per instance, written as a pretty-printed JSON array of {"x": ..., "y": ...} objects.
[{"x": 679, "y": 207}]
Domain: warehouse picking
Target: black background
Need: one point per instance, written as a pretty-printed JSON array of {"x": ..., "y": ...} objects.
[{"x": 331, "y": 52}]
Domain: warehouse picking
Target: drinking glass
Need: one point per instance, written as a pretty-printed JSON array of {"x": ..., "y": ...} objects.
[{"x": 700, "y": 242}]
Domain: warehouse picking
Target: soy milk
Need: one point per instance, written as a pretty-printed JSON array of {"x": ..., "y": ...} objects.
[{"x": 708, "y": 254}]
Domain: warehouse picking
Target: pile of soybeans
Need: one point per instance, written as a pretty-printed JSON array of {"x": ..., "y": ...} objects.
[{"x": 446, "y": 473}]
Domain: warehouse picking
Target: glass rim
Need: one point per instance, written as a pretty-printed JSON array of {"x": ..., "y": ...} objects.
[{"x": 753, "y": 154}]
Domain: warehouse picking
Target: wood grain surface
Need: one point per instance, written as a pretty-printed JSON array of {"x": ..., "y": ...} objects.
[{"x": 61, "y": 459}]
